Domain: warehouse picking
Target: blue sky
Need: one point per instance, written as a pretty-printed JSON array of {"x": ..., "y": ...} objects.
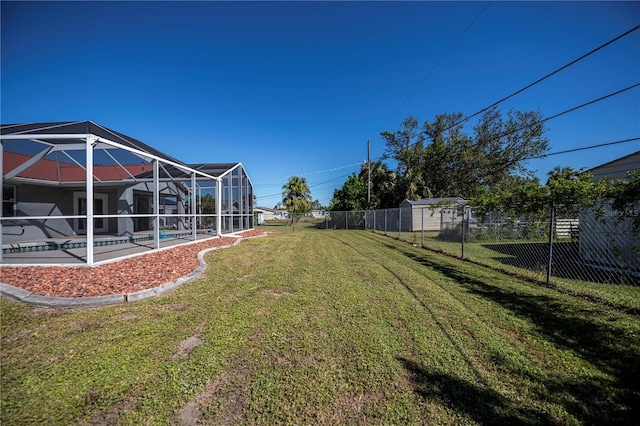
[{"x": 297, "y": 88}]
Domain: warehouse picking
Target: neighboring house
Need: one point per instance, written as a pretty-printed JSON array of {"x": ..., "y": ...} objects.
[
  {"x": 49, "y": 168},
  {"x": 264, "y": 213},
  {"x": 319, "y": 213},
  {"x": 617, "y": 169},
  {"x": 430, "y": 214},
  {"x": 281, "y": 212},
  {"x": 608, "y": 239}
]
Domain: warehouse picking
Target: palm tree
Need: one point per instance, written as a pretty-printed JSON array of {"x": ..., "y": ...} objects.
[
  {"x": 296, "y": 196},
  {"x": 382, "y": 185}
]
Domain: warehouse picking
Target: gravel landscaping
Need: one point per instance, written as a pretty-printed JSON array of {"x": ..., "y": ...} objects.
[{"x": 127, "y": 276}]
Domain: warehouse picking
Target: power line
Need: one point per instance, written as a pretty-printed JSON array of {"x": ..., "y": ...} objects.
[
  {"x": 269, "y": 185},
  {"x": 548, "y": 118},
  {"x": 536, "y": 157},
  {"x": 327, "y": 181},
  {"x": 584, "y": 148},
  {"x": 517, "y": 130},
  {"x": 279, "y": 194},
  {"x": 591, "y": 102},
  {"x": 626, "y": 33},
  {"x": 591, "y": 52},
  {"x": 437, "y": 63},
  {"x": 503, "y": 164},
  {"x": 313, "y": 173},
  {"x": 569, "y": 110},
  {"x": 504, "y": 99},
  {"x": 542, "y": 79},
  {"x": 495, "y": 103}
]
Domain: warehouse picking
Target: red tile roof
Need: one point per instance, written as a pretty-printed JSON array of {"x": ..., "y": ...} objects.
[{"x": 46, "y": 169}]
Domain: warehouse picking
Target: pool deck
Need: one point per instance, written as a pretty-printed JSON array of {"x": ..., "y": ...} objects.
[{"x": 73, "y": 251}]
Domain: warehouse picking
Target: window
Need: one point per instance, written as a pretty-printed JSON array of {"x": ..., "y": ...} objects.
[{"x": 8, "y": 201}]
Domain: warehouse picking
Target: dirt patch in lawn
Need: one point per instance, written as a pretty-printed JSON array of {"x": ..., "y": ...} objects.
[
  {"x": 111, "y": 415},
  {"x": 223, "y": 401},
  {"x": 186, "y": 347}
]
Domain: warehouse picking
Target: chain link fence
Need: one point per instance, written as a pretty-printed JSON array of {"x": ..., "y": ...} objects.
[{"x": 599, "y": 246}]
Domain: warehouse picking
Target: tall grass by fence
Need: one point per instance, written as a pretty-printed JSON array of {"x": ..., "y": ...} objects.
[{"x": 588, "y": 246}]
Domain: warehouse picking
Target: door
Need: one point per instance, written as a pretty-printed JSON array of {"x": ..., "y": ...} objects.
[
  {"x": 80, "y": 209},
  {"x": 142, "y": 206}
]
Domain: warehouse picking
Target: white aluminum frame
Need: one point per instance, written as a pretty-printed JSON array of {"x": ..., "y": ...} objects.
[{"x": 92, "y": 142}]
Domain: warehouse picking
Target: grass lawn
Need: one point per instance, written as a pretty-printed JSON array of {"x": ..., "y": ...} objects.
[
  {"x": 528, "y": 259},
  {"x": 314, "y": 326}
]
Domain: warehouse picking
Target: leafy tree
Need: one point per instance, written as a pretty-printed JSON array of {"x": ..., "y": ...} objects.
[
  {"x": 206, "y": 204},
  {"x": 515, "y": 196},
  {"x": 354, "y": 192},
  {"x": 383, "y": 183},
  {"x": 315, "y": 205},
  {"x": 567, "y": 191},
  {"x": 352, "y": 195},
  {"x": 296, "y": 196},
  {"x": 570, "y": 190},
  {"x": 445, "y": 155},
  {"x": 406, "y": 146},
  {"x": 440, "y": 160},
  {"x": 624, "y": 195},
  {"x": 503, "y": 144}
]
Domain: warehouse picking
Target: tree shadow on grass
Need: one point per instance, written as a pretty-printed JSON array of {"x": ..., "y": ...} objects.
[
  {"x": 566, "y": 261},
  {"x": 484, "y": 406},
  {"x": 587, "y": 330}
]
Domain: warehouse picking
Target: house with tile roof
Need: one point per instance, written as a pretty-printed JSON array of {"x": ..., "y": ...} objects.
[{"x": 50, "y": 170}]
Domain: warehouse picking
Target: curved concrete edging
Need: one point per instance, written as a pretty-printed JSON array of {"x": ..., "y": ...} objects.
[{"x": 25, "y": 296}]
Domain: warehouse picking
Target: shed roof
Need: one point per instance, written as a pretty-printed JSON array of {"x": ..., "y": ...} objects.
[
  {"x": 432, "y": 201},
  {"x": 265, "y": 209}
]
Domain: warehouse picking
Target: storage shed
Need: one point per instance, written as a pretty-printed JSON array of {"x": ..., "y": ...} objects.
[{"x": 429, "y": 214}]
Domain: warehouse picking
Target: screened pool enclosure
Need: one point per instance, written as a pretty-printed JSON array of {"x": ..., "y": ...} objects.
[{"x": 143, "y": 199}]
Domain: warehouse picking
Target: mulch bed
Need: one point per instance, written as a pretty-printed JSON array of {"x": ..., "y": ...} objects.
[{"x": 126, "y": 276}]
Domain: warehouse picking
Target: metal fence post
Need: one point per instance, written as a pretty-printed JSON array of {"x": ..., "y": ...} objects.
[
  {"x": 464, "y": 211},
  {"x": 422, "y": 226},
  {"x": 521, "y": 237},
  {"x": 385, "y": 222},
  {"x": 550, "y": 259}
]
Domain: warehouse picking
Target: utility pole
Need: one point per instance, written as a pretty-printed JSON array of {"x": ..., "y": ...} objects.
[{"x": 369, "y": 174}]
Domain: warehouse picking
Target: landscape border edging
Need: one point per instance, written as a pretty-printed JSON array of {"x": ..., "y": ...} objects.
[{"x": 56, "y": 302}]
